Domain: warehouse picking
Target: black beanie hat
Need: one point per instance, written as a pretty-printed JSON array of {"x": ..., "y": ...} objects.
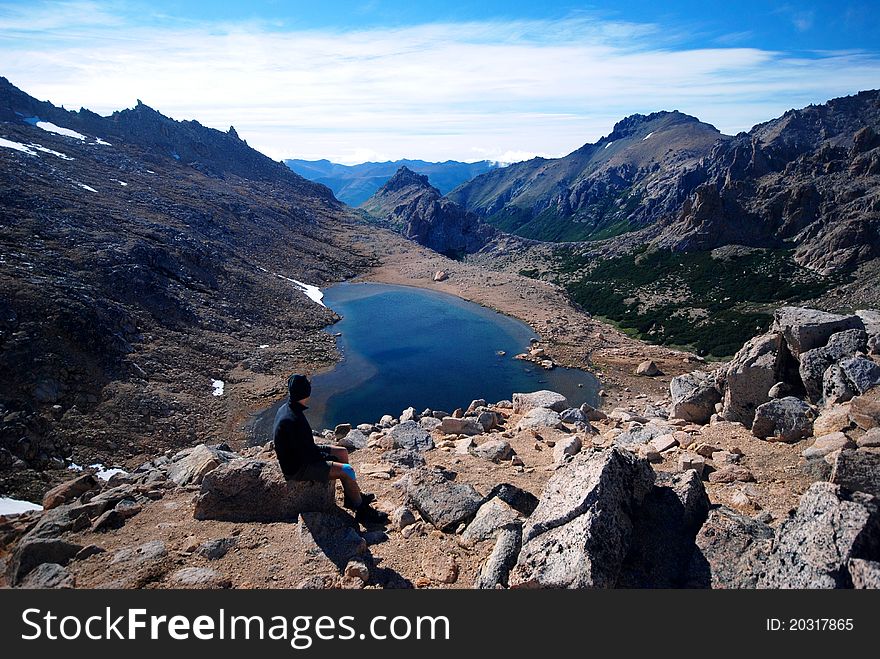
[{"x": 299, "y": 387}]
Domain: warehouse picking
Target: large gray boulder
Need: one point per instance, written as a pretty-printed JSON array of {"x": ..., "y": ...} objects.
[
  {"x": 849, "y": 378},
  {"x": 354, "y": 439},
  {"x": 786, "y": 419},
  {"x": 249, "y": 490},
  {"x": 644, "y": 433},
  {"x": 665, "y": 527},
  {"x": 806, "y": 329},
  {"x": 550, "y": 400},
  {"x": 730, "y": 551},
  {"x": 814, "y": 363},
  {"x": 857, "y": 471},
  {"x": 540, "y": 417},
  {"x": 694, "y": 396},
  {"x": 32, "y": 552},
  {"x": 191, "y": 465},
  {"x": 441, "y": 501},
  {"x": 411, "y": 436},
  {"x": 581, "y": 530},
  {"x": 49, "y": 575},
  {"x": 748, "y": 377},
  {"x": 813, "y": 548}
]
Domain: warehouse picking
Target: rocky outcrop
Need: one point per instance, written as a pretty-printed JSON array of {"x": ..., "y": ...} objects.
[
  {"x": 813, "y": 363},
  {"x": 252, "y": 490},
  {"x": 694, "y": 396},
  {"x": 579, "y": 534},
  {"x": 786, "y": 419},
  {"x": 813, "y": 548},
  {"x": 730, "y": 552},
  {"x": 191, "y": 465}
]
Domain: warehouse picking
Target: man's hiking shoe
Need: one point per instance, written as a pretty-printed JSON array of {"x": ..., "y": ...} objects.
[
  {"x": 368, "y": 515},
  {"x": 366, "y": 500}
]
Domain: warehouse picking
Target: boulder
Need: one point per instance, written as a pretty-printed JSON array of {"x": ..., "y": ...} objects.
[
  {"x": 749, "y": 376},
  {"x": 550, "y": 400},
  {"x": 731, "y": 473},
  {"x": 488, "y": 420},
  {"x": 592, "y": 413},
  {"x": 834, "y": 418},
  {"x": 694, "y": 396},
  {"x": 475, "y": 405},
  {"x": 780, "y": 390},
  {"x": 441, "y": 501},
  {"x": 32, "y": 552},
  {"x": 191, "y": 465},
  {"x": 464, "y": 426},
  {"x": 341, "y": 430},
  {"x": 429, "y": 423},
  {"x": 580, "y": 532},
  {"x": 865, "y": 411},
  {"x": 403, "y": 458},
  {"x": 131, "y": 558},
  {"x": 250, "y": 490},
  {"x": 864, "y": 574},
  {"x": 813, "y": 548},
  {"x": 493, "y": 515},
  {"x": 495, "y": 571},
  {"x": 871, "y": 320},
  {"x": 411, "y": 437},
  {"x": 814, "y": 363},
  {"x": 495, "y": 450},
  {"x": 409, "y": 414},
  {"x": 806, "y": 329},
  {"x": 857, "y": 471},
  {"x": 648, "y": 368},
  {"x": 862, "y": 373},
  {"x": 828, "y": 444},
  {"x": 48, "y": 575},
  {"x": 730, "y": 551},
  {"x": 664, "y": 530},
  {"x": 69, "y": 490},
  {"x": 574, "y": 415},
  {"x": 540, "y": 417},
  {"x": 353, "y": 440},
  {"x": 786, "y": 419},
  {"x": 565, "y": 447}
]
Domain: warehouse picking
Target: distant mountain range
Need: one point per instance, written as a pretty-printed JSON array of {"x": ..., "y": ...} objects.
[{"x": 354, "y": 184}]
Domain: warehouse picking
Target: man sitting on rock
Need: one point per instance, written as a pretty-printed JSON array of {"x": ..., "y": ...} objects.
[{"x": 302, "y": 460}]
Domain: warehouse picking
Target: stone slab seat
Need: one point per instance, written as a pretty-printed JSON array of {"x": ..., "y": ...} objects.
[{"x": 251, "y": 490}]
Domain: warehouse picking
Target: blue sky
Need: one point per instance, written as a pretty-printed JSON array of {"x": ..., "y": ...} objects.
[{"x": 372, "y": 79}]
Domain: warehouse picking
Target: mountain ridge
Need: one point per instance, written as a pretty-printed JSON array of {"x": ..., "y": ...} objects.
[{"x": 354, "y": 184}]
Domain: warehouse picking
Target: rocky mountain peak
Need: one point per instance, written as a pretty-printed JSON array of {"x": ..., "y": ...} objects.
[
  {"x": 405, "y": 177},
  {"x": 636, "y": 123}
]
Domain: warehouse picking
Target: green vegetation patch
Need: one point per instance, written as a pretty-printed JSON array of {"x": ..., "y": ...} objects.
[{"x": 712, "y": 305}]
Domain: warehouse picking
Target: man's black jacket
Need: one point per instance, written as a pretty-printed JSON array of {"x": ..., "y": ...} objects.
[{"x": 294, "y": 444}]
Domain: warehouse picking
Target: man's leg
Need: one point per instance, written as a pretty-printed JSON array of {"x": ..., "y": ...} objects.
[{"x": 349, "y": 484}]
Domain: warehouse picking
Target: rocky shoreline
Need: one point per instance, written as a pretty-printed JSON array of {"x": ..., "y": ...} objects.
[{"x": 521, "y": 493}]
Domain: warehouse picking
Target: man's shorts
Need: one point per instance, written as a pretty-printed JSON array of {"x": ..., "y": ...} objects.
[{"x": 315, "y": 471}]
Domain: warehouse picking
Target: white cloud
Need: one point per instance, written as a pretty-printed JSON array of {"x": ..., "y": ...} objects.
[{"x": 433, "y": 91}]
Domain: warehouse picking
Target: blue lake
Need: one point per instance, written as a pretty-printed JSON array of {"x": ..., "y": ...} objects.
[{"x": 404, "y": 346}]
